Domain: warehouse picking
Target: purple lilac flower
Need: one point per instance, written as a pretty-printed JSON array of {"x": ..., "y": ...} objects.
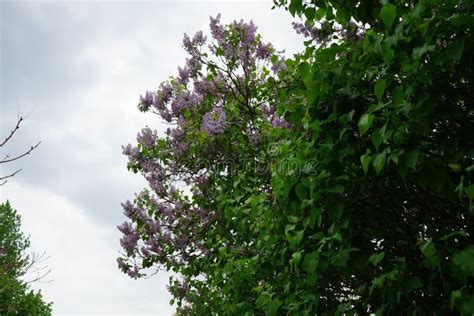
[
  {"x": 154, "y": 226},
  {"x": 185, "y": 100},
  {"x": 280, "y": 122},
  {"x": 264, "y": 51},
  {"x": 247, "y": 32},
  {"x": 191, "y": 46},
  {"x": 166, "y": 115},
  {"x": 125, "y": 228},
  {"x": 134, "y": 273},
  {"x": 147, "y": 137},
  {"x": 131, "y": 152},
  {"x": 317, "y": 34},
  {"x": 214, "y": 122},
  {"x": 130, "y": 238},
  {"x": 187, "y": 43},
  {"x": 163, "y": 96},
  {"x": 199, "y": 38},
  {"x": 203, "y": 87},
  {"x": 183, "y": 75},
  {"x": 217, "y": 30},
  {"x": 128, "y": 209},
  {"x": 146, "y": 101},
  {"x": 156, "y": 184}
]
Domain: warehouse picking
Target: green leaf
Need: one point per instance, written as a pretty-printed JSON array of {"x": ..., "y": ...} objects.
[
  {"x": 365, "y": 161},
  {"x": 339, "y": 189},
  {"x": 296, "y": 258},
  {"x": 412, "y": 159},
  {"x": 388, "y": 14},
  {"x": 301, "y": 191},
  {"x": 412, "y": 283},
  {"x": 376, "y": 258},
  {"x": 378, "y": 136},
  {"x": 420, "y": 51},
  {"x": 310, "y": 261},
  {"x": 456, "y": 49},
  {"x": 470, "y": 192},
  {"x": 379, "y": 88},
  {"x": 379, "y": 161},
  {"x": 387, "y": 54},
  {"x": 320, "y": 13},
  {"x": 365, "y": 122},
  {"x": 464, "y": 260},
  {"x": 310, "y": 13},
  {"x": 455, "y": 167},
  {"x": 340, "y": 260}
]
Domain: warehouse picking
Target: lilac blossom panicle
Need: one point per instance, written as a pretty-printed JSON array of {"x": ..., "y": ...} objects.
[
  {"x": 217, "y": 30},
  {"x": 280, "y": 122},
  {"x": 147, "y": 137},
  {"x": 192, "y": 45},
  {"x": 316, "y": 34},
  {"x": 131, "y": 152},
  {"x": 146, "y": 101},
  {"x": 134, "y": 273},
  {"x": 163, "y": 96},
  {"x": 247, "y": 32},
  {"x": 264, "y": 51},
  {"x": 183, "y": 75},
  {"x": 214, "y": 122},
  {"x": 130, "y": 237}
]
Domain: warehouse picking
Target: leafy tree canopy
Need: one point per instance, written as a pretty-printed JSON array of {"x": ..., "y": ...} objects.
[
  {"x": 338, "y": 181},
  {"x": 16, "y": 298}
]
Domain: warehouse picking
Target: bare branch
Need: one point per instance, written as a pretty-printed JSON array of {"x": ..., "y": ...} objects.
[
  {"x": 22, "y": 155},
  {"x": 20, "y": 119},
  {"x": 9, "y": 176}
]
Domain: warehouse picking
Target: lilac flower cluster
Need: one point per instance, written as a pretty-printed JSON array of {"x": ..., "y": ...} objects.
[
  {"x": 146, "y": 101},
  {"x": 147, "y": 137},
  {"x": 317, "y": 34},
  {"x": 164, "y": 225},
  {"x": 214, "y": 122},
  {"x": 323, "y": 33}
]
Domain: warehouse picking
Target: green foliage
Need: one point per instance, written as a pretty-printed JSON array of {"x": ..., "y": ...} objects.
[
  {"x": 403, "y": 162},
  {"x": 15, "y": 296},
  {"x": 367, "y": 203}
]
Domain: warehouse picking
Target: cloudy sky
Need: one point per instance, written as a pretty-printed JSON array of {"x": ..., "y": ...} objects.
[{"x": 75, "y": 70}]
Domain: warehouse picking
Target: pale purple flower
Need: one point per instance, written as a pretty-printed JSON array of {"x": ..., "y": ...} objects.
[
  {"x": 214, "y": 122},
  {"x": 263, "y": 51},
  {"x": 280, "y": 122},
  {"x": 217, "y": 30},
  {"x": 146, "y": 101},
  {"x": 183, "y": 75},
  {"x": 147, "y": 137},
  {"x": 134, "y": 273},
  {"x": 163, "y": 96},
  {"x": 130, "y": 238},
  {"x": 166, "y": 115}
]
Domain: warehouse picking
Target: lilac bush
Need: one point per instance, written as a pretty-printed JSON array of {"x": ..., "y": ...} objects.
[{"x": 219, "y": 114}]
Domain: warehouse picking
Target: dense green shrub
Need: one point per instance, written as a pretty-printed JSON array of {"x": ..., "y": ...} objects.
[{"x": 339, "y": 182}]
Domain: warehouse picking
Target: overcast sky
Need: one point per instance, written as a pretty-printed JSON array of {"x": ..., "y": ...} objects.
[{"x": 76, "y": 69}]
